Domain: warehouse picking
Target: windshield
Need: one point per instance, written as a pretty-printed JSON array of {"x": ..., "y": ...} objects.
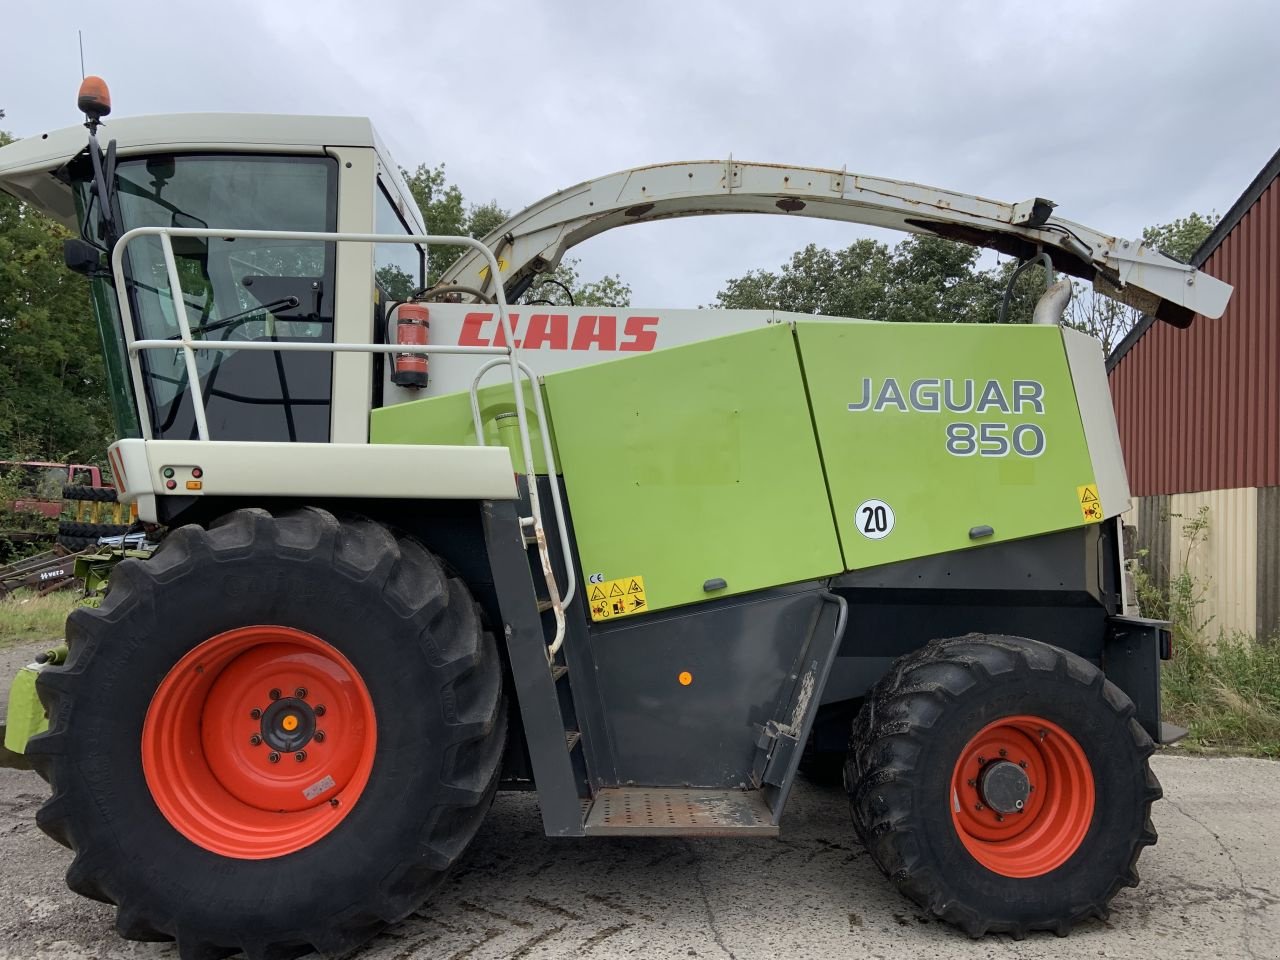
[{"x": 234, "y": 290}]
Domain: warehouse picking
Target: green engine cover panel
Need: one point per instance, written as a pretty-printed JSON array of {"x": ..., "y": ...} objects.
[
  {"x": 950, "y": 428},
  {"x": 693, "y": 464}
]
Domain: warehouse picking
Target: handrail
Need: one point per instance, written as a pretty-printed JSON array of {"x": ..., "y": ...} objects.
[
  {"x": 506, "y": 354},
  {"x": 548, "y": 455}
]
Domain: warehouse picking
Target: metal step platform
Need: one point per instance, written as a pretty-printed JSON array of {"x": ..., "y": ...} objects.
[{"x": 657, "y": 812}]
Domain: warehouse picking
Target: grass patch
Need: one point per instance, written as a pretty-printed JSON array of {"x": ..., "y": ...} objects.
[
  {"x": 1225, "y": 692},
  {"x": 26, "y": 617},
  {"x": 1227, "y": 696}
]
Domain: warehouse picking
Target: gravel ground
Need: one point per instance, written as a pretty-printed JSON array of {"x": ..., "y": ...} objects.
[{"x": 1210, "y": 889}]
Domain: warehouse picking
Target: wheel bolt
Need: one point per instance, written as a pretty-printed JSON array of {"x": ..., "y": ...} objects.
[
  {"x": 333, "y": 802},
  {"x": 319, "y": 736},
  {"x": 274, "y": 694},
  {"x": 255, "y": 714},
  {"x": 319, "y": 709},
  {"x": 273, "y": 757},
  {"x": 972, "y": 783},
  {"x": 1043, "y": 734},
  {"x": 981, "y": 761},
  {"x": 255, "y": 740},
  {"x": 1022, "y": 764},
  {"x": 300, "y": 693},
  {"x": 300, "y": 755},
  {"x": 999, "y": 818},
  {"x": 978, "y": 806},
  {"x": 1004, "y": 752}
]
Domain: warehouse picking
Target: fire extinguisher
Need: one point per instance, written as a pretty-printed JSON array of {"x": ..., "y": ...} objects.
[{"x": 412, "y": 329}]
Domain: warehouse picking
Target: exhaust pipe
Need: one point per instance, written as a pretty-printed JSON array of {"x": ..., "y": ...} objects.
[{"x": 1053, "y": 303}]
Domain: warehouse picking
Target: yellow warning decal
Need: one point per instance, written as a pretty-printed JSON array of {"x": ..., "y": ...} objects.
[
  {"x": 610, "y": 599},
  {"x": 1090, "y": 505}
]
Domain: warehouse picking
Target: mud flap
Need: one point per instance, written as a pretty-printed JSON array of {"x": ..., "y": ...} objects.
[
  {"x": 779, "y": 742},
  {"x": 1131, "y": 656}
]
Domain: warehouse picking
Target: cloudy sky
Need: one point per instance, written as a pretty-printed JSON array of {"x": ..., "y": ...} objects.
[{"x": 1126, "y": 114}]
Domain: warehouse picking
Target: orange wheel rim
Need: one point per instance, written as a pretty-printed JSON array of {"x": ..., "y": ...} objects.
[
  {"x": 258, "y": 742},
  {"x": 1022, "y": 796}
]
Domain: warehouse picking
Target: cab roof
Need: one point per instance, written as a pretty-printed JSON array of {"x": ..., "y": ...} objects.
[{"x": 28, "y": 167}]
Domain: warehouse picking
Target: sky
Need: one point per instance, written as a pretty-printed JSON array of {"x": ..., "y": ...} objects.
[{"x": 1125, "y": 114}]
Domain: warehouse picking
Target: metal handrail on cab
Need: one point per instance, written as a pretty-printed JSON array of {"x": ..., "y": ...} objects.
[{"x": 503, "y": 355}]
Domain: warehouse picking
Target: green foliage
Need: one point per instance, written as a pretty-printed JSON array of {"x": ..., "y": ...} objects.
[
  {"x": 1183, "y": 237},
  {"x": 52, "y": 381},
  {"x": 922, "y": 279},
  {"x": 926, "y": 279},
  {"x": 17, "y": 484},
  {"x": 608, "y": 291},
  {"x": 447, "y": 213},
  {"x": 1225, "y": 691}
]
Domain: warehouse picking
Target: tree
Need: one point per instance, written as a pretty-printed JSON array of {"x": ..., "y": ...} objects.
[
  {"x": 925, "y": 279},
  {"x": 446, "y": 213},
  {"x": 922, "y": 279},
  {"x": 53, "y": 402}
]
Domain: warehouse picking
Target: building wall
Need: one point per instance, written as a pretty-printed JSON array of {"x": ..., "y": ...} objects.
[
  {"x": 1236, "y": 561},
  {"x": 1199, "y": 409}
]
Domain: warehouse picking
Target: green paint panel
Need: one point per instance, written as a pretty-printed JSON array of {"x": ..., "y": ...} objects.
[
  {"x": 694, "y": 463},
  {"x": 25, "y": 715},
  {"x": 447, "y": 420},
  {"x": 941, "y": 471}
]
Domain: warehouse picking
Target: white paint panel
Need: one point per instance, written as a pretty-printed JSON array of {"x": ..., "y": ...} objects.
[
  {"x": 1089, "y": 376},
  {"x": 567, "y": 337},
  {"x": 1225, "y": 563},
  {"x": 310, "y": 470}
]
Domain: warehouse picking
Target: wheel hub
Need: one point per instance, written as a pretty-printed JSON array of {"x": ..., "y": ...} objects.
[
  {"x": 288, "y": 725},
  {"x": 1004, "y": 787}
]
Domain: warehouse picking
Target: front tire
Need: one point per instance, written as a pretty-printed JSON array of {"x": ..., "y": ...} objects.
[
  {"x": 1002, "y": 784},
  {"x": 164, "y": 720}
]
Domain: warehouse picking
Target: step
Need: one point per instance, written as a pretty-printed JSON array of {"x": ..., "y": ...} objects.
[
  {"x": 558, "y": 670},
  {"x": 658, "y": 812},
  {"x": 572, "y": 739},
  {"x": 544, "y": 606}
]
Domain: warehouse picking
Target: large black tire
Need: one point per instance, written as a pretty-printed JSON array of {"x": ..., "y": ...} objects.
[
  {"x": 77, "y": 536},
  {"x": 435, "y": 681},
  {"x": 81, "y": 491},
  {"x": 904, "y": 748}
]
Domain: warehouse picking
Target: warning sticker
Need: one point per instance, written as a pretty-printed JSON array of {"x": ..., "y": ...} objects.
[
  {"x": 1090, "y": 505},
  {"x": 616, "y": 598}
]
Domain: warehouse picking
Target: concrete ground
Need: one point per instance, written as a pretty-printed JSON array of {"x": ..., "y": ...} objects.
[{"x": 1210, "y": 888}]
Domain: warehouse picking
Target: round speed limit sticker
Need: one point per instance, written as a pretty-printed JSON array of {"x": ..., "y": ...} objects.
[{"x": 874, "y": 519}]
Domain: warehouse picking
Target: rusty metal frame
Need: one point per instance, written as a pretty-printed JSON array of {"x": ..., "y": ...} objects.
[{"x": 534, "y": 240}]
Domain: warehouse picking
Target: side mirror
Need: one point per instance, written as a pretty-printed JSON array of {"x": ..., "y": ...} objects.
[
  {"x": 194, "y": 248},
  {"x": 82, "y": 257}
]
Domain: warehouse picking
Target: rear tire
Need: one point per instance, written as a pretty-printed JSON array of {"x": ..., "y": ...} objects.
[
  {"x": 918, "y": 757},
  {"x": 376, "y": 607}
]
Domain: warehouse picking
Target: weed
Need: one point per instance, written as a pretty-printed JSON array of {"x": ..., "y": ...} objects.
[
  {"x": 1226, "y": 692},
  {"x": 27, "y": 617}
]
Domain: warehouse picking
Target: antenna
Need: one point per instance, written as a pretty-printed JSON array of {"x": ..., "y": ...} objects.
[{"x": 80, "y": 34}]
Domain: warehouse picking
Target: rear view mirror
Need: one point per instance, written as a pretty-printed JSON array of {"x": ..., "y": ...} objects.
[
  {"x": 82, "y": 257},
  {"x": 194, "y": 248}
]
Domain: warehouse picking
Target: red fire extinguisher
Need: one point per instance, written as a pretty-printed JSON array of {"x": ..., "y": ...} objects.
[{"x": 412, "y": 329}]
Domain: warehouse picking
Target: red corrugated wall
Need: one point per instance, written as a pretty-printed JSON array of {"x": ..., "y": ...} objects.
[{"x": 1199, "y": 409}]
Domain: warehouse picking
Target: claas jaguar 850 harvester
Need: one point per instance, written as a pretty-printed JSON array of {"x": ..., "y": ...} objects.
[{"x": 652, "y": 567}]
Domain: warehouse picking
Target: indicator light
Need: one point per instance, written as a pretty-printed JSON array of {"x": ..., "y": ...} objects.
[
  {"x": 168, "y": 471},
  {"x": 197, "y": 472},
  {"x": 170, "y": 484},
  {"x": 685, "y": 678},
  {"x": 194, "y": 484}
]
